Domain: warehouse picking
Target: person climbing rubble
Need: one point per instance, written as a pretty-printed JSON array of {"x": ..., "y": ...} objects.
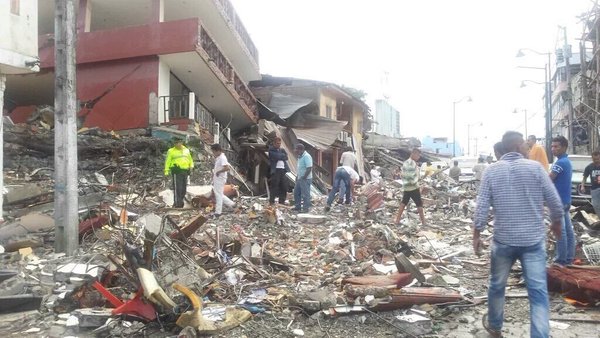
[
  {"x": 410, "y": 181},
  {"x": 178, "y": 164},
  {"x": 344, "y": 176},
  {"x": 220, "y": 171}
]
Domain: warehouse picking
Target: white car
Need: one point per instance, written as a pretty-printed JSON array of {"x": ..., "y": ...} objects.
[{"x": 466, "y": 164}]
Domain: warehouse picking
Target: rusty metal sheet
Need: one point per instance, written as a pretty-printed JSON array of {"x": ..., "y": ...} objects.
[
  {"x": 580, "y": 284},
  {"x": 409, "y": 296}
]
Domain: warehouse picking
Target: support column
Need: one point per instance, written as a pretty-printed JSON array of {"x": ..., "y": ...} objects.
[
  {"x": 2, "y": 87},
  {"x": 157, "y": 11},
  {"x": 84, "y": 18},
  {"x": 65, "y": 130}
]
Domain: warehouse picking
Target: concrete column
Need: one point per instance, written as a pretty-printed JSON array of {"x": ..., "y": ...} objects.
[
  {"x": 157, "y": 11},
  {"x": 66, "y": 195},
  {"x": 192, "y": 106},
  {"x": 2, "y": 87},
  {"x": 84, "y": 17}
]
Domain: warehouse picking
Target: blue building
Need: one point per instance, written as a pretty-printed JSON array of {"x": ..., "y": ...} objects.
[{"x": 440, "y": 145}]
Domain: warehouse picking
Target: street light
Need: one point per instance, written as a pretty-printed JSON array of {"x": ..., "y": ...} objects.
[
  {"x": 469, "y": 136},
  {"x": 548, "y": 94},
  {"x": 469, "y": 99},
  {"x": 524, "y": 111}
]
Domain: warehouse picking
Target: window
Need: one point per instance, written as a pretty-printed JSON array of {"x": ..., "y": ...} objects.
[
  {"x": 328, "y": 111},
  {"x": 15, "y": 7}
]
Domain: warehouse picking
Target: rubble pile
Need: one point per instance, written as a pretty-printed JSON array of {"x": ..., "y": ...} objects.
[{"x": 257, "y": 271}]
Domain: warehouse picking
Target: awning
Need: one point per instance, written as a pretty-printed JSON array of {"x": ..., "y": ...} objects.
[{"x": 319, "y": 132}]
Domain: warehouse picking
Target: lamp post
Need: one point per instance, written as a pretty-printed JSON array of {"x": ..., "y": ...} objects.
[
  {"x": 469, "y": 137},
  {"x": 525, "y": 112},
  {"x": 469, "y": 99},
  {"x": 547, "y": 95}
]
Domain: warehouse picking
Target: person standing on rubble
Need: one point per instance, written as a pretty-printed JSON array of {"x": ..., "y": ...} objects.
[
  {"x": 344, "y": 176},
  {"x": 561, "y": 174},
  {"x": 479, "y": 168},
  {"x": 278, "y": 158},
  {"x": 455, "y": 172},
  {"x": 220, "y": 171},
  {"x": 410, "y": 185},
  {"x": 516, "y": 188},
  {"x": 178, "y": 164},
  {"x": 537, "y": 152},
  {"x": 303, "y": 179},
  {"x": 593, "y": 172}
]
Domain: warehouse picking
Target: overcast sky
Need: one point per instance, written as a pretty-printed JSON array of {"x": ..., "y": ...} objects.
[{"x": 434, "y": 52}]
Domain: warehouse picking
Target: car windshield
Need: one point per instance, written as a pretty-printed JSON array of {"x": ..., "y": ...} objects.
[{"x": 579, "y": 163}]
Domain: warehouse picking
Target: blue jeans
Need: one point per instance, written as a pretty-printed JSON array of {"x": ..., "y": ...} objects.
[
  {"x": 302, "y": 194},
  {"x": 533, "y": 260},
  {"x": 341, "y": 179},
  {"x": 565, "y": 247}
]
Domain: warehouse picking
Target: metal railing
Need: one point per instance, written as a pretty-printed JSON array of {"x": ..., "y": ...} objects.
[
  {"x": 239, "y": 28},
  {"x": 175, "y": 106}
]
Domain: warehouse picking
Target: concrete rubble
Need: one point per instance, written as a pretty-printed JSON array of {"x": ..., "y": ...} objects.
[{"x": 145, "y": 269}]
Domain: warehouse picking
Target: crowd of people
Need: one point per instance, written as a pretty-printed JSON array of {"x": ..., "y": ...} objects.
[{"x": 516, "y": 187}]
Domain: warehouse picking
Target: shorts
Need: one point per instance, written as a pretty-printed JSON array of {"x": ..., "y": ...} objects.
[{"x": 415, "y": 195}]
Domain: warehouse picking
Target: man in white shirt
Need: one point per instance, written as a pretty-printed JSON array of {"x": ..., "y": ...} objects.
[
  {"x": 348, "y": 159},
  {"x": 346, "y": 176},
  {"x": 220, "y": 178},
  {"x": 479, "y": 168}
]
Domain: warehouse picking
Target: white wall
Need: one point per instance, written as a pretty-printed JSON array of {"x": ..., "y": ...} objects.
[
  {"x": 18, "y": 37},
  {"x": 164, "y": 78}
]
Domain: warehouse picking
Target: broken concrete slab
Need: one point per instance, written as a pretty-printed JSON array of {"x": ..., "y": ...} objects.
[
  {"x": 20, "y": 193},
  {"x": 312, "y": 219},
  {"x": 30, "y": 223}
]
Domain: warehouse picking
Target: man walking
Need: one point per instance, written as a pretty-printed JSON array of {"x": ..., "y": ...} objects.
[
  {"x": 278, "y": 169},
  {"x": 219, "y": 179},
  {"x": 303, "y": 179},
  {"x": 517, "y": 188},
  {"x": 561, "y": 173},
  {"x": 593, "y": 172},
  {"x": 178, "y": 164},
  {"x": 344, "y": 176},
  {"x": 537, "y": 152},
  {"x": 410, "y": 185}
]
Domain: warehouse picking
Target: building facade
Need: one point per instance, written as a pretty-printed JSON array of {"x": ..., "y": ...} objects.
[
  {"x": 440, "y": 146},
  {"x": 151, "y": 62},
  {"x": 327, "y": 101},
  {"x": 387, "y": 119}
]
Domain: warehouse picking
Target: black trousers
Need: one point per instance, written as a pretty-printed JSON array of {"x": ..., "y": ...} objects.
[
  {"x": 179, "y": 188},
  {"x": 279, "y": 186}
]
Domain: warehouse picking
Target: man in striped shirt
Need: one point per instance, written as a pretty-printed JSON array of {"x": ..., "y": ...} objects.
[
  {"x": 516, "y": 188},
  {"x": 410, "y": 185}
]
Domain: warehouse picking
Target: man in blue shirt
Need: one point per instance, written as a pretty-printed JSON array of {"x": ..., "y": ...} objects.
[
  {"x": 516, "y": 188},
  {"x": 561, "y": 174},
  {"x": 303, "y": 179}
]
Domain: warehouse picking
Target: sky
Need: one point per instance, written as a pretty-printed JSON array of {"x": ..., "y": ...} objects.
[{"x": 424, "y": 55}]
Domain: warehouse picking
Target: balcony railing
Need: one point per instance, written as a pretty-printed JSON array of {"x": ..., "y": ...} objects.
[
  {"x": 239, "y": 28},
  {"x": 222, "y": 63}
]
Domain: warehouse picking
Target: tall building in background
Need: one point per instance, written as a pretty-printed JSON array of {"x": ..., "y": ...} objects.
[{"x": 387, "y": 119}]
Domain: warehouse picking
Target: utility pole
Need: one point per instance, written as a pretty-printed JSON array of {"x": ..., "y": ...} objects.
[
  {"x": 569, "y": 100},
  {"x": 66, "y": 195}
]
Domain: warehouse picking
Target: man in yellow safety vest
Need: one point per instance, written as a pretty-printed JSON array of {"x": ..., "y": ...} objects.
[{"x": 178, "y": 164}]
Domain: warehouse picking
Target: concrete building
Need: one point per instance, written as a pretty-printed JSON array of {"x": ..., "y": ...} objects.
[
  {"x": 291, "y": 97},
  {"x": 387, "y": 119},
  {"x": 150, "y": 62},
  {"x": 18, "y": 53},
  {"x": 440, "y": 146}
]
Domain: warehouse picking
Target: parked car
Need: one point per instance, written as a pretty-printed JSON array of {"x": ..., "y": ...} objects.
[
  {"x": 579, "y": 162},
  {"x": 466, "y": 164}
]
